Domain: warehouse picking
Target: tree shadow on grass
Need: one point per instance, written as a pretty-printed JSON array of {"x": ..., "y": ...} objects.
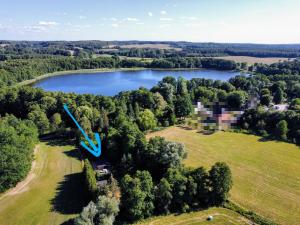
[
  {"x": 74, "y": 153},
  {"x": 71, "y": 195},
  {"x": 60, "y": 142},
  {"x": 185, "y": 127},
  {"x": 68, "y": 222}
]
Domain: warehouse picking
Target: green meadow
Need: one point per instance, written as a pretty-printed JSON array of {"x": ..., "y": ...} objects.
[
  {"x": 266, "y": 174},
  {"x": 53, "y": 195}
]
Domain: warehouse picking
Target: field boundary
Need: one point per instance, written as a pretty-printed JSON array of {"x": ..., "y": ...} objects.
[{"x": 254, "y": 217}]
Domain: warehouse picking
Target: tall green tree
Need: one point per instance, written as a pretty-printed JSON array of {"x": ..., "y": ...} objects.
[
  {"x": 147, "y": 120},
  {"x": 137, "y": 196},
  {"x": 163, "y": 197},
  {"x": 281, "y": 130},
  {"x": 40, "y": 119},
  {"x": 221, "y": 182},
  {"x": 90, "y": 178},
  {"x": 178, "y": 182},
  {"x": 183, "y": 106},
  {"x": 278, "y": 96}
]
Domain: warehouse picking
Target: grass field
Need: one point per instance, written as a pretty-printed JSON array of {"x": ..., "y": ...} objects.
[
  {"x": 54, "y": 195},
  {"x": 266, "y": 174},
  {"x": 252, "y": 60},
  {"x": 220, "y": 217}
]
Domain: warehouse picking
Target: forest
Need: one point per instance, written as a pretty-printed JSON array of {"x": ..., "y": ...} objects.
[{"x": 29, "y": 49}]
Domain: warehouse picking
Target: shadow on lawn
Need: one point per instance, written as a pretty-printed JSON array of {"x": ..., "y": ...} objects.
[
  {"x": 70, "y": 196},
  {"x": 59, "y": 142},
  {"x": 185, "y": 127},
  {"x": 74, "y": 153}
]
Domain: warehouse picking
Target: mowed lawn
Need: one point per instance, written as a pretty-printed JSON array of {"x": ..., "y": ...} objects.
[
  {"x": 220, "y": 217},
  {"x": 266, "y": 174},
  {"x": 53, "y": 196}
]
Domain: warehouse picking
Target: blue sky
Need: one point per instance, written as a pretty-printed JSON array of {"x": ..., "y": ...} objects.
[{"x": 255, "y": 21}]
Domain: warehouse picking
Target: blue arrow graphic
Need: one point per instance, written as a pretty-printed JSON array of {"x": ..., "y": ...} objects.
[{"x": 96, "y": 151}]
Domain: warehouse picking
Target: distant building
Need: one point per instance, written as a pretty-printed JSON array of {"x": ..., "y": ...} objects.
[{"x": 216, "y": 116}]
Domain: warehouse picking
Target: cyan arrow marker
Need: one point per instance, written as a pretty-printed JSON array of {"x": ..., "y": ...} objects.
[{"x": 96, "y": 151}]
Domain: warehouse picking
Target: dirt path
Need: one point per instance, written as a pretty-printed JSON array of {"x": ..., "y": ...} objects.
[{"x": 23, "y": 185}]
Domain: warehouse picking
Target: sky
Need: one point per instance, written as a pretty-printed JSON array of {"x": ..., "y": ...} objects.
[{"x": 226, "y": 21}]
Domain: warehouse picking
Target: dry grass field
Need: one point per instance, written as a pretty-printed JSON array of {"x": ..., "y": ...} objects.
[
  {"x": 266, "y": 174},
  {"x": 155, "y": 46},
  {"x": 220, "y": 217},
  {"x": 252, "y": 60}
]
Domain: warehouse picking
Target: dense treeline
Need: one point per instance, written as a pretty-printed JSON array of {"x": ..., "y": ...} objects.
[
  {"x": 13, "y": 71},
  {"x": 280, "y": 125},
  {"x": 287, "y": 67},
  {"x": 25, "y": 49},
  {"x": 17, "y": 138}
]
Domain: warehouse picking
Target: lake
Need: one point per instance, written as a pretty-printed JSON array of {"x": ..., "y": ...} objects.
[{"x": 111, "y": 83}]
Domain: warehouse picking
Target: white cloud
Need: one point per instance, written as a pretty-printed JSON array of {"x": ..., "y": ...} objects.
[
  {"x": 131, "y": 19},
  {"x": 48, "y": 23},
  {"x": 164, "y": 25},
  {"x": 82, "y": 17},
  {"x": 188, "y": 18},
  {"x": 163, "y": 12},
  {"x": 194, "y": 25},
  {"x": 60, "y": 13},
  {"x": 115, "y": 25},
  {"x": 165, "y": 19},
  {"x": 139, "y": 23},
  {"x": 34, "y": 28},
  {"x": 113, "y": 19},
  {"x": 150, "y": 14}
]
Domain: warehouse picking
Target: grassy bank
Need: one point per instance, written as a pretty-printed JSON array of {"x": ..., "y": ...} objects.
[
  {"x": 266, "y": 174},
  {"x": 54, "y": 195}
]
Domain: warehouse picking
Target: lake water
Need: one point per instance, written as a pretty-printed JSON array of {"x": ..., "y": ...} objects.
[{"x": 111, "y": 83}]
